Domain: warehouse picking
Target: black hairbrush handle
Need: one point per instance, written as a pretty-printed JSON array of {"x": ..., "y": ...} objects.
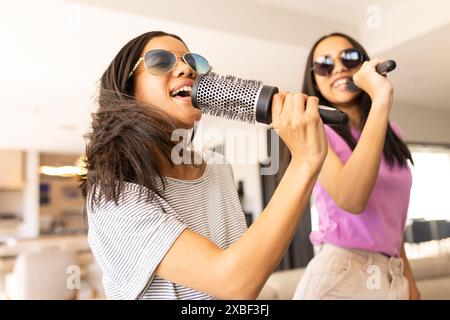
[
  {"x": 386, "y": 67},
  {"x": 382, "y": 68},
  {"x": 264, "y": 109},
  {"x": 333, "y": 116}
]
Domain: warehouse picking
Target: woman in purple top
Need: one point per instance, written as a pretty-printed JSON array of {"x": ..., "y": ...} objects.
[{"x": 363, "y": 190}]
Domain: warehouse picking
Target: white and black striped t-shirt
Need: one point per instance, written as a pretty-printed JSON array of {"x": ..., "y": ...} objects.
[{"x": 130, "y": 239}]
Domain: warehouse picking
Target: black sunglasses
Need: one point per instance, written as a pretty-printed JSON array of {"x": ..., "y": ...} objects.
[
  {"x": 159, "y": 62},
  {"x": 350, "y": 58}
]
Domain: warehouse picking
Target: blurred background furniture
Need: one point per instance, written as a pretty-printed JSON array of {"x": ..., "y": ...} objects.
[
  {"x": 41, "y": 275},
  {"x": 421, "y": 230},
  {"x": 14, "y": 262}
]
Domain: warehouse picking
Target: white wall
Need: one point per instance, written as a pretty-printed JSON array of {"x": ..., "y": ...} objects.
[
  {"x": 401, "y": 21},
  {"x": 30, "y": 224},
  {"x": 419, "y": 124}
]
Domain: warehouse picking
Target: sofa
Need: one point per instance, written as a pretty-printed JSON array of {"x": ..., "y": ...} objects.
[{"x": 430, "y": 264}]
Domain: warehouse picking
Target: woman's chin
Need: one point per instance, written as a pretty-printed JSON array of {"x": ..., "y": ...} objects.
[
  {"x": 195, "y": 116},
  {"x": 190, "y": 119}
]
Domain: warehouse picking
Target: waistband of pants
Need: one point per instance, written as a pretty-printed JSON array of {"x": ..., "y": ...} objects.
[{"x": 389, "y": 265}]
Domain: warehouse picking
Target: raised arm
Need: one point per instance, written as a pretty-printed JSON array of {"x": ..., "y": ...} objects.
[
  {"x": 240, "y": 271},
  {"x": 351, "y": 184}
]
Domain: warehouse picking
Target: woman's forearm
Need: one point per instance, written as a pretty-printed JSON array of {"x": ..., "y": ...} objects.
[
  {"x": 240, "y": 271},
  {"x": 355, "y": 181},
  {"x": 273, "y": 230}
]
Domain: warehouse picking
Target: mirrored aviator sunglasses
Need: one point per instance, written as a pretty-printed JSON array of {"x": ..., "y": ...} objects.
[
  {"x": 350, "y": 58},
  {"x": 159, "y": 62}
]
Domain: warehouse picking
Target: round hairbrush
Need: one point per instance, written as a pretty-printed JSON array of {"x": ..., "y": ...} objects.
[{"x": 244, "y": 100}]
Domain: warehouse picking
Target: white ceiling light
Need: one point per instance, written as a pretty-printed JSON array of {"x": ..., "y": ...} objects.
[{"x": 63, "y": 171}]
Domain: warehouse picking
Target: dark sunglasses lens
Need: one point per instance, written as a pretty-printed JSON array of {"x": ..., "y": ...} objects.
[
  {"x": 351, "y": 58},
  {"x": 198, "y": 63},
  {"x": 323, "y": 66},
  {"x": 159, "y": 62}
]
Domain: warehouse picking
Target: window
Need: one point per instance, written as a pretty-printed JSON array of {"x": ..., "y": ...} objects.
[
  {"x": 430, "y": 193},
  {"x": 44, "y": 194}
]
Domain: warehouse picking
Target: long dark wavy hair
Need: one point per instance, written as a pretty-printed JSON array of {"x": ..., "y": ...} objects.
[
  {"x": 130, "y": 141},
  {"x": 394, "y": 150}
]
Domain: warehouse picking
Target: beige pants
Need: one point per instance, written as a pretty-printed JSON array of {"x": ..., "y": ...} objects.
[{"x": 338, "y": 273}]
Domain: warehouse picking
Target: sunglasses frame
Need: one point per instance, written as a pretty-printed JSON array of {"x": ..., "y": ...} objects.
[
  {"x": 184, "y": 53},
  {"x": 339, "y": 57}
]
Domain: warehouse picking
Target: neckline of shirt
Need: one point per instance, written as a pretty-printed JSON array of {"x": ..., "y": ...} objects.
[{"x": 197, "y": 180}]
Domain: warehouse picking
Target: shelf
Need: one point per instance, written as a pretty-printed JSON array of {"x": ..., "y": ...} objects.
[
  {"x": 12, "y": 170},
  {"x": 18, "y": 188}
]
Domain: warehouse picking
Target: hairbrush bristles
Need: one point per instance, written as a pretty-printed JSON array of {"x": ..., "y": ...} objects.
[
  {"x": 233, "y": 80},
  {"x": 227, "y": 96}
]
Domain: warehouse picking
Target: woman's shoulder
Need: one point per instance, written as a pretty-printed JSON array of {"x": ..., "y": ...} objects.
[{"x": 129, "y": 196}]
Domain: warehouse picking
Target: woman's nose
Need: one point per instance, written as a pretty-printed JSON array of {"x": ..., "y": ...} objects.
[
  {"x": 338, "y": 66},
  {"x": 183, "y": 69}
]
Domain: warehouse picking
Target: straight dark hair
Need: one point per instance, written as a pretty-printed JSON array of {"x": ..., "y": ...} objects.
[
  {"x": 395, "y": 151},
  {"x": 130, "y": 141}
]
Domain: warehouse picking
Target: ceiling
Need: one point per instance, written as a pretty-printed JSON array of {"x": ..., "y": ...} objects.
[
  {"x": 345, "y": 11},
  {"x": 248, "y": 18},
  {"x": 422, "y": 77},
  {"x": 407, "y": 28}
]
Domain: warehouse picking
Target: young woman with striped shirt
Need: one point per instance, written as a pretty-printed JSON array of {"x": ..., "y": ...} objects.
[{"x": 161, "y": 230}]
